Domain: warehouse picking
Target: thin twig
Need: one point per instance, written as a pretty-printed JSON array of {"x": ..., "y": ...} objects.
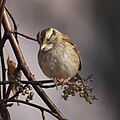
[
  {"x": 26, "y": 82},
  {"x": 38, "y": 107},
  {"x": 3, "y": 40},
  {"x": 22, "y": 81},
  {"x": 6, "y": 105},
  {"x": 2, "y": 5},
  {"x": 3, "y": 73},
  {"x": 8, "y": 82},
  {"x": 40, "y": 83},
  {"x": 12, "y": 97},
  {"x": 23, "y": 35},
  {"x": 4, "y": 114},
  {"x": 43, "y": 116},
  {"x": 7, "y": 100}
]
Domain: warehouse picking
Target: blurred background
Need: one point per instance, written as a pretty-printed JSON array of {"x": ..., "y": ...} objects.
[{"x": 94, "y": 25}]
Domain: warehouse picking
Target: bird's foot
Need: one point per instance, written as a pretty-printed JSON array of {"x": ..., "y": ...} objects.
[{"x": 61, "y": 81}]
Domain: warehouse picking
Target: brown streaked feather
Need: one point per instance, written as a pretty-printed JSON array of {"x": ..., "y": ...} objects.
[{"x": 66, "y": 38}]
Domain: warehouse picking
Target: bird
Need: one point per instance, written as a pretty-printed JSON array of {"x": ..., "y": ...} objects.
[{"x": 58, "y": 56}]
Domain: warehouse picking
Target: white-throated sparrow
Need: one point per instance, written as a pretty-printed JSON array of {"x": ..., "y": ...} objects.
[{"x": 58, "y": 57}]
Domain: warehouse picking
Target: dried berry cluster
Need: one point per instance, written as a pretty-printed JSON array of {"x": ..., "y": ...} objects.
[
  {"x": 18, "y": 86},
  {"x": 26, "y": 91},
  {"x": 81, "y": 87}
]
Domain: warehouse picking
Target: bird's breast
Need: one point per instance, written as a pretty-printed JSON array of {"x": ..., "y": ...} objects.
[{"x": 59, "y": 63}]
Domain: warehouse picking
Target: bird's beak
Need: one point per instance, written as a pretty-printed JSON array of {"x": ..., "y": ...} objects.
[{"x": 43, "y": 46}]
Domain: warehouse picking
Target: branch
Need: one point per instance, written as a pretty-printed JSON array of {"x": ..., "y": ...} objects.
[
  {"x": 40, "y": 83},
  {"x": 3, "y": 73},
  {"x": 43, "y": 116},
  {"x": 4, "y": 101},
  {"x": 24, "y": 67},
  {"x": 38, "y": 107},
  {"x": 23, "y": 82},
  {"x": 13, "y": 21},
  {"x": 2, "y": 6},
  {"x": 23, "y": 35},
  {"x": 4, "y": 114},
  {"x": 6, "y": 105}
]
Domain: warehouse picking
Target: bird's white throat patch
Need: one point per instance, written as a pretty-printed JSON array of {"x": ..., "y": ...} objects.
[{"x": 46, "y": 47}]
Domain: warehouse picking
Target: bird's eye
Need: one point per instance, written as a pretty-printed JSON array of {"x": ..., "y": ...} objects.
[{"x": 48, "y": 40}]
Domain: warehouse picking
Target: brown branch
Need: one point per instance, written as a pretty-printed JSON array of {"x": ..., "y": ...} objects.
[
  {"x": 43, "y": 116},
  {"x": 13, "y": 21},
  {"x": 38, "y": 107},
  {"x": 6, "y": 105},
  {"x": 2, "y": 6},
  {"x": 23, "y": 35},
  {"x": 3, "y": 40},
  {"x": 40, "y": 83},
  {"x": 3, "y": 73},
  {"x": 22, "y": 81},
  {"x": 4, "y": 101},
  {"x": 8, "y": 82},
  {"x": 4, "y": 114},
  {"x": 24, "y": 67}
]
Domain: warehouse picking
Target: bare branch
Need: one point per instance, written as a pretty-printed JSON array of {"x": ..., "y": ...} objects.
[
  {"x": 2, "y": 6},
  {"x": 4, "y": 101},
  {"x": 13, "y": 21},
  {"x": 39, "y": 107},
  {"x": 43, "y": 116},
  {"x": 24, "y": 67},
  {"x": 23, "y": 35},
  {"x": 3, "y": 73},
  {"x": 40, "y": 83},
  {"x": 6, "y": 105},
  {"x": 4, "y": 114}
]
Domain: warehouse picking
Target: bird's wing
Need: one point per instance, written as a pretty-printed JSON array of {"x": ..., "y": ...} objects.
[{"x": 66, "y": 38}]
